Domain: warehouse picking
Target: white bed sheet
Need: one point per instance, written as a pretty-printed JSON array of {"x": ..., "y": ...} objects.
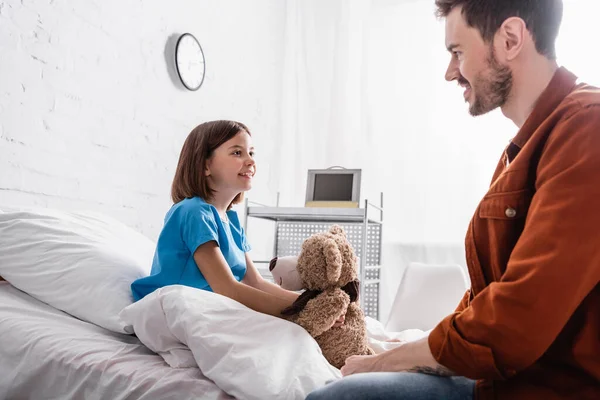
[{"x": 45, "y": 353}]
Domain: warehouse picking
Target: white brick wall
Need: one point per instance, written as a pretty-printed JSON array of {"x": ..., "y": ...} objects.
[{"x": 90, "y": 114}]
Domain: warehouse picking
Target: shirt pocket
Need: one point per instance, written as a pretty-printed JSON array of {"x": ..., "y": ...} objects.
[
  {"x": 501, "y": 220},
  {"x": 506, "y": 205}
]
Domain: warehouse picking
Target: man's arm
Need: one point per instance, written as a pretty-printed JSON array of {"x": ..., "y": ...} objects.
[
  {"x": 408, "y": 357},
  {"x": 553, "y": 267}
]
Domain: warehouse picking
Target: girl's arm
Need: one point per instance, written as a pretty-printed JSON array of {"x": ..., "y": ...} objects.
[
  {"x": 212, "y": 264},
  {"x": 254, "y": 279}
]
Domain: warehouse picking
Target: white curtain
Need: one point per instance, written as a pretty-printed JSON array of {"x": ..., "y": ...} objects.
[
  {"x": 323, "y": 108},
  {"x": 363, "y": 87}
]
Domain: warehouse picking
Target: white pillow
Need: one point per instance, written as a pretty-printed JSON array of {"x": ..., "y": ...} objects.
[
  {"x": 247, "y": 354},
  {"x": 80, "y": 263}
]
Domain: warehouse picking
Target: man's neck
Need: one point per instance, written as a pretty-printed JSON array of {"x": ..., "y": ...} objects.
[{"x": 528, "y": 84}]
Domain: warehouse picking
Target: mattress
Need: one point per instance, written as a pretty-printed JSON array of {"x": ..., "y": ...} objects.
[{"x": 45, "y": 353}]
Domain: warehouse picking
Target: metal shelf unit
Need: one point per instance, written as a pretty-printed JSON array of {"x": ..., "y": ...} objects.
[{"x": 293, "y": 225}]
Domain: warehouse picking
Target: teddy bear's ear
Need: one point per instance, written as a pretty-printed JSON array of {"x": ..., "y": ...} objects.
[
  {"x": 333, "y": 258},
  {"x": 337, "y": 230}
]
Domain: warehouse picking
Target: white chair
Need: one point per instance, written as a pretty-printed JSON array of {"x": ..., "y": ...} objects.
[{"x": 427, "y": 293}]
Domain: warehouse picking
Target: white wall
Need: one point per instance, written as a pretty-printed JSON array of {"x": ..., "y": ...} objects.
[{"x": 91, "y": 116}]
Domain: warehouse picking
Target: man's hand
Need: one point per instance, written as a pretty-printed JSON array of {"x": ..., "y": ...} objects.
[
  {"x": 358, "y": 364},
  {"x": 409, "y": 356}
]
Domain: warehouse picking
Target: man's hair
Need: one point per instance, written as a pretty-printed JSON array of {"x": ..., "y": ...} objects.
[
  {"x": 542, "y": 18},
  {"x": 190, "y": 179}
]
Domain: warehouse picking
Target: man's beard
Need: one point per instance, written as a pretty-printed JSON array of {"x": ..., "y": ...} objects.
[{"x": 491, "y": 87}]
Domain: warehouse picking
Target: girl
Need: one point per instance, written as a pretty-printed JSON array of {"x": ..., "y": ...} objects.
[{"x": 202, "y": 243}]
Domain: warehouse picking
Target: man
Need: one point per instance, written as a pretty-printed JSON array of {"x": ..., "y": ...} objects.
[{"x": 529, "y": 327}]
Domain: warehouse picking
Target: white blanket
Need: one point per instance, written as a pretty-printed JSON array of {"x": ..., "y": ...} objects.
[{"x": 247, "y": 354}]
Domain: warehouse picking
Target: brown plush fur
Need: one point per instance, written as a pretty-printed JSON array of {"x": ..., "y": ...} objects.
[{"x": 327, "y": 263}]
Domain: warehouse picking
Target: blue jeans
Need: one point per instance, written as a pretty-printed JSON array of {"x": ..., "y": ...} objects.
[{"x": 396, "y": 385}]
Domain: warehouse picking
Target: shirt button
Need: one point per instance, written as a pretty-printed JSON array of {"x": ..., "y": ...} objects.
[{"x": 510, "y": 212}]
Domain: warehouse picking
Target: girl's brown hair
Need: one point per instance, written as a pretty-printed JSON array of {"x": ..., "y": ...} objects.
[{"x": 190, "y": 180}]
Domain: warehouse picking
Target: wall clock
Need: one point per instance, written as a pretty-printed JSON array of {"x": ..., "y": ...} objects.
[{"x": 189, "y": 60}]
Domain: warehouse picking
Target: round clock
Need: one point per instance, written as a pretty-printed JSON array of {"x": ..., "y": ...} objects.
[{"x": 189, "y": 60}]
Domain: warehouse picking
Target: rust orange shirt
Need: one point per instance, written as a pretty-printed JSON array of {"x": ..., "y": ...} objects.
[{"x": 529, "y": 327}]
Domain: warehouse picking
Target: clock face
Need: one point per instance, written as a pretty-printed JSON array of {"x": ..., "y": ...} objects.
[{"x": 189, "y": 60}]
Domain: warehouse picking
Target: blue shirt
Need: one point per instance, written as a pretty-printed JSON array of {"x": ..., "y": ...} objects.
[{"x": 188, "y": 224}]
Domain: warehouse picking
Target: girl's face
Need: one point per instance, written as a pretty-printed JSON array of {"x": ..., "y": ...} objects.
[{"x": 231, "y": 167}]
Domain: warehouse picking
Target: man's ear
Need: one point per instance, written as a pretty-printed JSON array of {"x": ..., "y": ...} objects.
[{"x": 511, "y": 37}]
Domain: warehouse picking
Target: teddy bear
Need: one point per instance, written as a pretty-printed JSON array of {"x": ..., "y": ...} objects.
[{"x": 327, "y": 268}]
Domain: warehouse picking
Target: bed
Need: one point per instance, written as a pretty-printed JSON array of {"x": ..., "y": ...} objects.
[{"x": 69, "y": 328}]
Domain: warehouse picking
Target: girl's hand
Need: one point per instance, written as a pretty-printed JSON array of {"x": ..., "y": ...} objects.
[{"x": 339, "y": 322}]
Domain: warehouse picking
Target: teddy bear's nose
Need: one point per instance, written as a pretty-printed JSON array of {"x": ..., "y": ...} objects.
[{"x": 272, "y": 264}]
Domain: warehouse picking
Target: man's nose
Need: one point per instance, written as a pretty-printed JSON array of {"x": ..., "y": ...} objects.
[{"x": 452, "y": 71}]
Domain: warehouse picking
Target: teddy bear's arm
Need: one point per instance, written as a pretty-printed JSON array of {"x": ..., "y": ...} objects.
[{"x": 320, "y": 313}]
